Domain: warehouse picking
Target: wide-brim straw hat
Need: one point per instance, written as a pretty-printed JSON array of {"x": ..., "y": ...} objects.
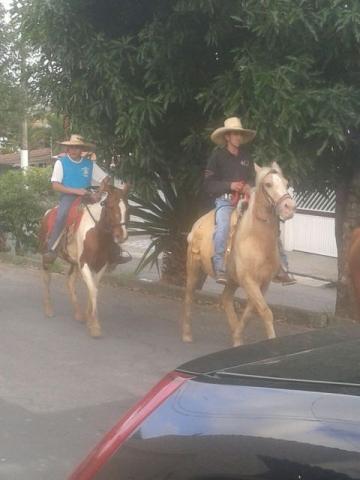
[
  {"x": 232, "y": 124},
  {"x": 76, "y": 141}
]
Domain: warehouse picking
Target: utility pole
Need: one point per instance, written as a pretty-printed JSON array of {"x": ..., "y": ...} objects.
[{"x": 24, "y": 149}]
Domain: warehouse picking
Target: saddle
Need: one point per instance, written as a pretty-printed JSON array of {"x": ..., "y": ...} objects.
[
  {"x": 73, "y": 219},
  {"x": 235, "y": 218}
]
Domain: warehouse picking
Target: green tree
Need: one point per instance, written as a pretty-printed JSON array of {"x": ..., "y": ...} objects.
[
  {"x": 10, "y": 92},
  {"x": 23, "y": 201},
  {"x": 150, "y": 79},
  {"x": 45, "y": 129}
]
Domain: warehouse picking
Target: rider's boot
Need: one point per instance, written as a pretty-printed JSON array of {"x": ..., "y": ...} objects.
[
  {"x": 49, "y": 257},
  {"x": 221, "y": 278},
  {"x": 220, "y": 274},
  {"x": 284, "y": 277},
  {"x": 118, "y": 255}
]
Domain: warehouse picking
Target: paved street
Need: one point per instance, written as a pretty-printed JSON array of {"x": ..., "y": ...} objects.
[
  {"x": 60, "y": 390},
  {"x": 313, "y": 291}
]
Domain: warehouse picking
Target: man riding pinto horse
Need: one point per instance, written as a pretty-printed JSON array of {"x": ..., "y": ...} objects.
[
  {"x": 72, "y": 175},
  {"x": 228, "y": 175}
]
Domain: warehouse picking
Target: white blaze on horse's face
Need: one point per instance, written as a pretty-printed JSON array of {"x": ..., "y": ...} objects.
[
  {"x": 117, "y": 215},
  {"x": 276, "y": 188},
  {"x": 124, "y": 214}
]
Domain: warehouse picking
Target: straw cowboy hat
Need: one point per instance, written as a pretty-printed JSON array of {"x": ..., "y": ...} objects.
[
  {"x": 232, "y": 124},
  {"x": 76, "y": 141}
]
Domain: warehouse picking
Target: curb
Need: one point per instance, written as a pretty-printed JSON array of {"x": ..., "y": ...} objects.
[{"x": 291, "y": 315}]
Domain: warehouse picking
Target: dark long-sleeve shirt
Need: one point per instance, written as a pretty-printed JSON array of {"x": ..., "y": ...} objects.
[{"x": 223, "y": 168}]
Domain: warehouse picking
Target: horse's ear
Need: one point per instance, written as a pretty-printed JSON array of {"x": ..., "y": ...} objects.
[
  {"x": 105, "y": 182},
  {"x": 276, "y": 166},
  {"x": 257, "y": 167},
  {"x": 125, "y": 188}
]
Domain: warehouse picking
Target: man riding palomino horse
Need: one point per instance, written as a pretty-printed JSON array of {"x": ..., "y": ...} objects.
[
  {"x": 253, "y": 259},
  {"x": 72, "y": 175},
  {"x": 228, "y": 176}
]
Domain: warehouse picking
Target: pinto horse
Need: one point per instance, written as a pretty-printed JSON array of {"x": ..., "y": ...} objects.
[
  {"x": 254, "y": 256},
  {"x": 87, "y": 248}
]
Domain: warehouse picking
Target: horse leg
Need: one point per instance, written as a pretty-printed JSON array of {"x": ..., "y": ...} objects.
[
  {"x": 227, "y": 300},
  {"x": 48, "y": 307},
  {"x": 257, "y": 301},
  {"x": 91, "y": 282},
  {"x": 193, "y": 269},
  {"x": 71, "y": 283},
  {"x": 244, "y": 319}
]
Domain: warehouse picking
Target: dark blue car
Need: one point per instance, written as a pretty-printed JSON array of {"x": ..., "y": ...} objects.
[{"x": 287, "y": 409}]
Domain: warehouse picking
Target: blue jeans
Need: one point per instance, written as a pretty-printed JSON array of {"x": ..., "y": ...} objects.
[
  {"x": 283, "y": 257},
  {"x": 223, "y": 211},
  {"x": 65, "y": 203}
]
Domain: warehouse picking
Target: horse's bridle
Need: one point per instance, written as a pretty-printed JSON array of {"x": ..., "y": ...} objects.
[
  {"x": 112, "y": 226},
  {"x": 269, "y": 198}
]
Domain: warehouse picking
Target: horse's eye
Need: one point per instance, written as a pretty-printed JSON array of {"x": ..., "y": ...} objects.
[{"x": 268, "y": 185}]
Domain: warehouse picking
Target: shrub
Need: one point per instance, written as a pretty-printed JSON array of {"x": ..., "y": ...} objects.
[{"x": 24, "y": 197}]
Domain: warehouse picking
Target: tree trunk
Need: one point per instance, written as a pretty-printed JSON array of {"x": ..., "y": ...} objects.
[{"x": 347, "y": 217}]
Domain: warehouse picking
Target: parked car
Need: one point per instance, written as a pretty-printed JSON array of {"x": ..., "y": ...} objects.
[{"x": 287, "y": 408}]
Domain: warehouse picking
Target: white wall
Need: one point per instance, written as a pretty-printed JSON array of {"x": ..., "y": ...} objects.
[{"x": 310, "y": 233}]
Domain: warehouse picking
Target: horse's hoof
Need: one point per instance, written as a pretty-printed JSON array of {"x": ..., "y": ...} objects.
[
  {"x": 187, "y": 338},
  {"x": 95, "y": 332},
  {"x": 237, "y": 343},
  {"x": 49, "y": 313}
]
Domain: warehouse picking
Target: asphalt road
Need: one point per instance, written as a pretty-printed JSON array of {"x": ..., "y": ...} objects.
[{"x": 61, "y": 390}]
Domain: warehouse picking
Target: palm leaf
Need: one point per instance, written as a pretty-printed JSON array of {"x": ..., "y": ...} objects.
[{"x": 165, "y": 218}]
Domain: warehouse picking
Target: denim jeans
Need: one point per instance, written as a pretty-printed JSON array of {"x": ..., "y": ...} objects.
[
  {"x": 65, "y": 203},
  {"x": 223, "y": 211},
  {"x": 283, "y": 257}
]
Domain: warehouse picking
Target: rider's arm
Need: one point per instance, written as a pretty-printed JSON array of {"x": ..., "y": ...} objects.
[
  {"x": 214, "y": 185},
  {"x": 59, "y": 187},
  {"x": 57, "y": 178},
  {"x": 99, "y": 174}
]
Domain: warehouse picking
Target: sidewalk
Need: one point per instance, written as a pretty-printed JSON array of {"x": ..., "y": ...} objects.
[
  {"x": 313, "y": 266},
  {"x": 314, "y": 290}
]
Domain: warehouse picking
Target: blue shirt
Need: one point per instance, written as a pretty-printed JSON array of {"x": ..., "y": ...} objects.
[{"x": 76, "y": 174}]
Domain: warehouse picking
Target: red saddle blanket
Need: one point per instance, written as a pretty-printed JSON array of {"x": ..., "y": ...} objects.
[{"x": 73, "y": 218}]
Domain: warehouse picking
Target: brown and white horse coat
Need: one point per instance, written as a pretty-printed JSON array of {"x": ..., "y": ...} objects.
[{"x": 88, "y": 250}]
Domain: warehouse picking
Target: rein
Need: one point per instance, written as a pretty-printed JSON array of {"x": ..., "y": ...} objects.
[{"x": 121, "y": 224}]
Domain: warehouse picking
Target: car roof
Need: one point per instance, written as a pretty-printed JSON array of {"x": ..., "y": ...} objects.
[{"x": 326, "y": 355}]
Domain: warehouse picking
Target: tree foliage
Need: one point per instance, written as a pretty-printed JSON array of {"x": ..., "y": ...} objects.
[
  {"x": 148, "y": 77},
  {"x": 23, "y": 200},
  {"x": 12, "y": 100}
]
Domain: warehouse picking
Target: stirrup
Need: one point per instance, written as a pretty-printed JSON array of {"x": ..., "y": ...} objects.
[
  {"x": 221, "y": 278},
  {"x": 120, "y": 259}
]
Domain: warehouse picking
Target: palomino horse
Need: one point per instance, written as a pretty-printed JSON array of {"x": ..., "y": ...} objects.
[
  {"x": 353, "y": 267},
  {"x": 254, "y": 256},
  {"x": 88, "y": 249}
]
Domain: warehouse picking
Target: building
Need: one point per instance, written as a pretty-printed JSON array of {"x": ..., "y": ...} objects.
[{"x": 37, "y": 158}]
